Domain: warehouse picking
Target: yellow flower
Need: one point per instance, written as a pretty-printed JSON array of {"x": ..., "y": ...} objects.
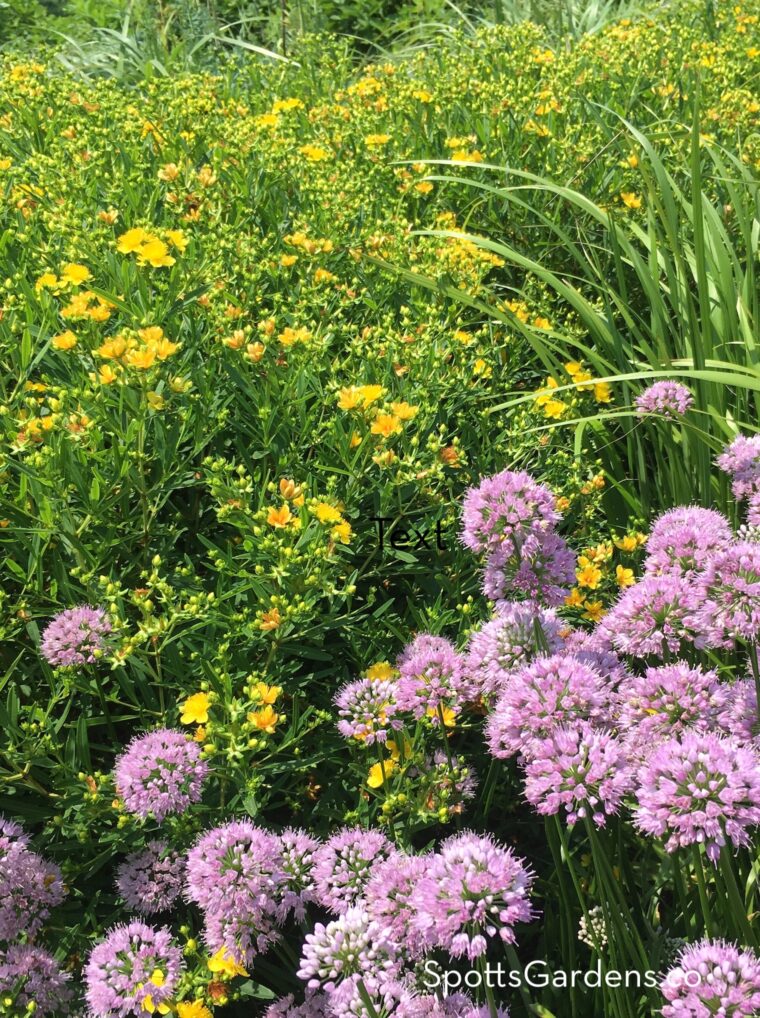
[
  {"x": 326, "y": 513},
  {"x": 150, "y": 1008},
  {"x": 602, "y": 392},
  {"x": 630, "y": 200},
  {"x": 342, "y": 532},
  {"x": 422, "y": 96},
  {"x": 380, "y": 670},
  {"x": 112, "y": 349},
  {"x": 375, "y": 140},
  {"x": 177, "y": 239},
  {"x": 370, "y": 393},
  {"x": 349, "y": 398},
  {"x": 156, "y": 401},
  {"x": 223, "y": 963},
  {"x": 270, "y": 620},
  {"x": 106, "y": 374},
  {"x": 131, "y": 241},
  {"x": 75, "y": 274},
  {"x": 314, "y": 153},
  {"x": 574, "y": 368},
  {"x": 265, "y": 719},
  {"x": 386, "y": 425},
  {"x": 588, "y": 575},
  {"x": 624, "y": 577},
  {"x": 424, "y": 186},
  {"x": 195, "y": 709},
  {"x": 279, "y": 517},
  {"x": 265, "y": 693},
  {"x": 594, "y": 611},
  {"x": 169, "y": 172},
  {"x": 287, "y": 260},
  {"x": 554, "y": 408},
  {"x": 378, "y": 773},
  {"x": 46, "y": 280},
  {"x": 627, "y": 543},
  {"x": 194, "y": 1009},
  {"x": 404, "y": 411},
  {"x": 65, "y": 340},
  {"x": 290, "y": 336},
  {"x": 449, "y": 716},
  {"x": 155, "y": 253},
  {"x": 574, "y": 599},
  {"x": 141, "y": 359}
]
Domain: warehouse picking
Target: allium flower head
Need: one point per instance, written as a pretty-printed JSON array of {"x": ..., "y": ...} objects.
[
  {"x": 666, "y": 398},
  {"x": 367, "y": 710},
  {"x": 728, "y": 591},
  {"x": 506, "y": 508},
  {"x": 235, "y": 874},
  {"x": 651, "y": 616},
  {"x": 29, "y": 885},
  {"x": 76, "y": 636},
  {"x": 682, "y": 539},
  {"x": 297, "y": 850},
  {"x": 316, "y": 1005},
  {"x": 474, "y": 889},
  {"x": 541, "y": 568},
  {"x": 431, "y": 677},
  {"x": 350, "y": 949},
  {"x": 518, "y": 632},
  {"x": 160, "y": 773},
  {"x": 595, "y": 650},
  {"x": 132, "y": 963},
  {"x": 581, "y": 770},
  {"x": 741, "y": 460},
  {"x": 344, "y": 864},
  {"x": 456, "y": 1005},
  {"x": 713, "y": 978},
  {"x": 666, "y": 700},
  {"x": 33, "y": 976},
  {"x": 697, "y": 789},
  {"x": 388, "y": 899},
  {"x": 541, "y": 696},
  {"x": 739, "y": 716},
  {"x": 151, "y": 880}
]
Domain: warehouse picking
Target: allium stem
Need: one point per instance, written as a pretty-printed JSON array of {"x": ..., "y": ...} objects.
[
  {"x": 366, "y": 999},
  {"x": 700, "y": 874},
  {"x": 755, "y": 670},
  {"x": 487, "y": 987},
  {"x": 738, "y": 908}
]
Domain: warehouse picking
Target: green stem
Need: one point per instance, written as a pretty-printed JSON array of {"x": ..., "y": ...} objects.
[
  {"x": 738, "y": 908},
  {"x": 701, "y": 884}
]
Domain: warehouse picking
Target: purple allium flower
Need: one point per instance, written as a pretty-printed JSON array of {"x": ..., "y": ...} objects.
[
  {"x": 472, "y": 890},
  {"x": 456, "y": 1005},
  {"x": 739, "y": 716},
  {"x": 666, "y": 398},
  {"x": 367, "y": 710},
  {"x": 504, "y": 509},
  {"x": 344, "y": 864},
  {"x": 316, "y": 1005},
  {"x": 388, "y": 899},
  {"x": 132, "y": 963},
  {"x": 699, "y": 788},
  {"x": 682, "y": 539},
  {"x": 741, "y": 460},
  {"x": 160, "y": 773},
  {"x": 349, "y": 949},
  {"x": 29, "y": 885},
  {"x": 518, "y": 632},
  {"x": 580, "y": 769},
  {"x": 595, "y": 650},
  {"x": 235, "y": 874},
  {"x": 753, "y": 513},
  {"x": 297, "y": 850},
  {"x": 151, "y": 880},
  {"x": 75, "y": 636},
  {"x": 728, "y": 596},
  {"x": 542, "y": 568},
  {"x": 652, "y": 615},
  {"x": 666, "y": 700},
  {"x": 431, "y": 676},
  {"x": 713, "y": 978},
  {"x": 32, "y": 976},
  {"x": 541, "y": 696}
]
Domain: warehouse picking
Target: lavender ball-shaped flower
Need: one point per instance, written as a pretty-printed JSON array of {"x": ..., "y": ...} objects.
[
  {"x": 712, "y": 978},
  {"x": 699, "y": 789},
  {"x": 474, "y": 889},
  {"x": 595, "y": 650},
  {"x": 652, "y": 616},
  {"x": 151, "y": 880},
  {"x": 741, "y": 460},
  {"x": 32, "y": 976},
  {"x": 431, "y": 677},
  {"x": 518, "y": 632},
  {"x": 133, "y": 963},
  {"x": 76, "y": 636},
  {"x": 506, "y": 508},
  {"x": 728, "y": 596},
  {"x": 456, "y": 1005},
  {"x": 666, "y": 398},
  {"x": 160, "y": 773},
  {"x": 316, "y": 1005},
  {"x": 682, "y": 539},
  {"x": 739, "y": 716},
  {"x": 388, "y": 899},
  {"x": 666, "y": 700},
  {"x": 541, "y": 696},
  {"x": 367, "y": 710},
  {"x": 349, "y": 949},
  {"x": 235, "y": 874},
  {"x": 29, "y": 885},
  {"x": 541, "y": 568},
  {"x": 581, "y": 770},
  {"x": 297, "y": 851},
  {"x": 344, "y": 864}
]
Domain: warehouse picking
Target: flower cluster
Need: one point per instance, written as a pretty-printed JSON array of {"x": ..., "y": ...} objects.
[
  {"x": 667, "y": 399},
  {"x": 160, "y": 773},
  {"x": 75, "y": 637}
]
